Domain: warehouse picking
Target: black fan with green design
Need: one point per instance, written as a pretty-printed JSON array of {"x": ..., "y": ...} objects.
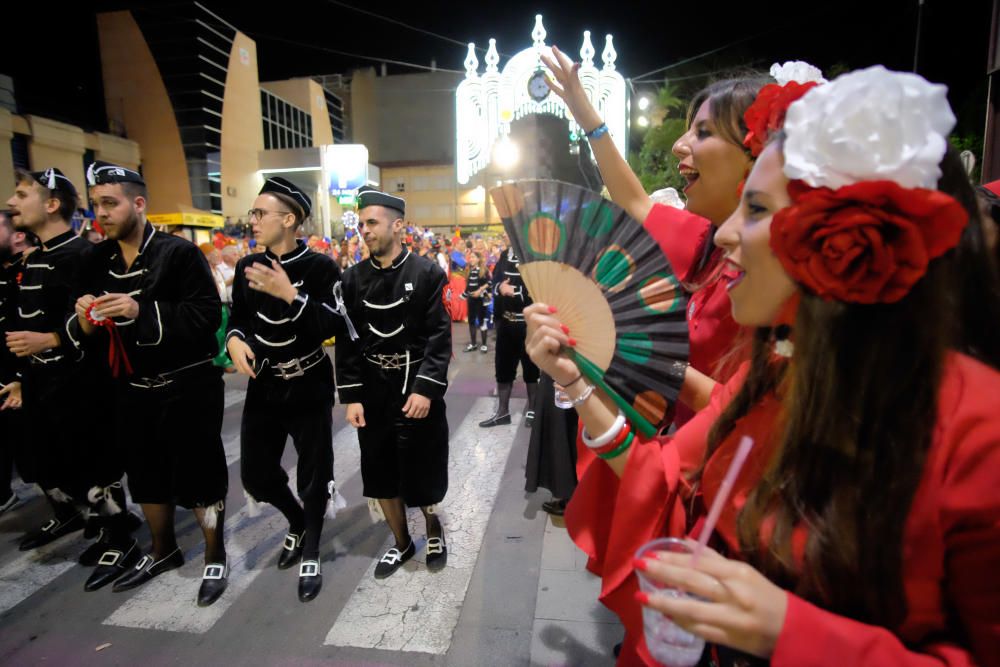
[{"x": 612, "y": 287}]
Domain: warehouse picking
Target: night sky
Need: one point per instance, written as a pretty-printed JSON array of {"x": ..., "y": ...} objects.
[{"x": 55, "y": 63}]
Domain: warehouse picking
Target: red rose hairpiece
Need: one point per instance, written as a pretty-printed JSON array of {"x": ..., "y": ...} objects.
[
  {"x": 767, "y": 113},
  {"x": 868, "y": 242}
]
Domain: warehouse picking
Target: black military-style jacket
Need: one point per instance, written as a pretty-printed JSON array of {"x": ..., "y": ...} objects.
[
  {"x": 279, "y": 332},
  {"x": 179, "y": 305},
  {"x": 400, "y": 317},
  {"x": 507, "y": 270}
]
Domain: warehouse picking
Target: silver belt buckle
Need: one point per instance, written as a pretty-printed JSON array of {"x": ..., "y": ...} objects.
[
  {"x": 295, "y": 365},
  {"x": 391, "y": 362},
  {"x": 153, "y": 383}
]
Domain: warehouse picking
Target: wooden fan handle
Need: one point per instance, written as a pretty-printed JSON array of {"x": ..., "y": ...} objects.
[{"x": 593, "y": 373}]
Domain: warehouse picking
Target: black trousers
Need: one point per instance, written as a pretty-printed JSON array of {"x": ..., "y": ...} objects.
[
  {"x": 63, "y": 448},
  {"x": 511, "y": 351},
  {"x": 401, "y": 457},
  {"x": 477, "y": 312},
  {"x": 11, "y": 446},
  {"x": 273, "y": 411},
  {"x": 172, "y": 439}
]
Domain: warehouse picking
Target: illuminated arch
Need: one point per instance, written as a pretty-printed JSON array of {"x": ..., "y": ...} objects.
[{"x": 487, "y": 103}]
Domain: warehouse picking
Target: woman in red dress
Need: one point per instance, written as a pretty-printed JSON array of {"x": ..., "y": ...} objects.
[
  {"x": 714, "y": 161},
  {"x": 865, "y": 527}
]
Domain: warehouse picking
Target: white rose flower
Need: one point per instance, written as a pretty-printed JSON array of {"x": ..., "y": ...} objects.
[
  {"x": 869, "y": 125},
  {"x": 798, "y": 71}
]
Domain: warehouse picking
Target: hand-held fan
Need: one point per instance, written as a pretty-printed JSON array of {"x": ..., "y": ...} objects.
[{"x": 612, "y": 287}]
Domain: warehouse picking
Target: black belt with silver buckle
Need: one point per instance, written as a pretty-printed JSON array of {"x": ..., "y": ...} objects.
[
  {"x": 163, "y": 379},
  {"x": 298, "y": 367},
  {"x": 392, "y": 362}
]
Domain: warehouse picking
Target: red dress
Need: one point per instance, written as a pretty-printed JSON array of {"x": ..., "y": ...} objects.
[{"x": 951, "y": 541}]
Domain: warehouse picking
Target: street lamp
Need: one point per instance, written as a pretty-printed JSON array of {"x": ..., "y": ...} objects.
[
  {"x": 642, "y": 121},
  {"x": 643, "y": 103},
  {"x": 506, "y": 154}
]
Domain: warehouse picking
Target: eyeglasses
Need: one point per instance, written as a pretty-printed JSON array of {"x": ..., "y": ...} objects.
[{"x": 259, "y": 213}]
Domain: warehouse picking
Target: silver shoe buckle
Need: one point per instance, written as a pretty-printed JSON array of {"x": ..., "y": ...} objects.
[
  {"x": 214, "y": 571},
  {"x": 292, "y": 542},
  {"x": 110, "y": 558},
  {"x": 309, "y": 568}
]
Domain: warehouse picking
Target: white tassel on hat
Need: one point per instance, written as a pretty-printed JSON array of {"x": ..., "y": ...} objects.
[
  {"x": 59, "y": 496},
  {"x": 99, "y": 493},
  {"x": 253, "y": 507},
  {"x": 336, "y": 502},
  {"x": 91, "y": 177},
  {"x": 50, "y": 179},
  {"x": 211, "y": 519},
  {"x": 375, "y": 510}
]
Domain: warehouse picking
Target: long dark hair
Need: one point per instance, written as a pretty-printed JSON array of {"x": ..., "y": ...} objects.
[
  {"x": 977, "y": 281},
  {"x": 859, "y": 405}
]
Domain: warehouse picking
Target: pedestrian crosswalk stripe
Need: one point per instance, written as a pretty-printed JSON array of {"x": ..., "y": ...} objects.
[
  {"x": 168, "y": 601},
  {"x": 414, "y": 609}
]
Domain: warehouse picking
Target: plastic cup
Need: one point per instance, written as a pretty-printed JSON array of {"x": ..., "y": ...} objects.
[
  {"x": 561, "y": 398},
  {"x": 667, "y": 642}
]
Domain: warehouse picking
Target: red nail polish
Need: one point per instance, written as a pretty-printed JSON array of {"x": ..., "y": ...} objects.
[
  {"x": 572, "y": 342},
  {"x": 640, "y": 564},
  {"x": 552, "y": 309},
  {"x": 565, "y": 329},
  {"x": 642, "y": 597}
]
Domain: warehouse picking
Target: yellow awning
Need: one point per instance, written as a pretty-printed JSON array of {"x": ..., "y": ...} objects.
[{"x": 188, "y": 218}]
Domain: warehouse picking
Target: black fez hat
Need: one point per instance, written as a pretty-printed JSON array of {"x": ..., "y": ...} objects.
[
  {"x": 285, "y": 187},
  {"x": 369, "y": 196},
  {"x": 101, "y": 173},
  {"x": 53, "y": 179}
]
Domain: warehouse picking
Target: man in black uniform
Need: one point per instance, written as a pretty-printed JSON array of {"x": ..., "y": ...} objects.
[
  {"x": 508, "y": 306},
  {"x": 151, "y": 298},
  {"x": 283, "y": 310},
  {"x": 13, "y": 246},
  {"x": 394, "y": 378},
  {"x": 78, "y": 471}
]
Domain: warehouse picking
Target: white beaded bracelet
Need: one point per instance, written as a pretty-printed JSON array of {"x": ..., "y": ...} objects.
[{"x": 611, "y": 434}]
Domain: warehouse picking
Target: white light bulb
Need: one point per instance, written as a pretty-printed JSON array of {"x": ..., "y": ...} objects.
[
  {"x": 643, "y": 103},
  {"x": 506, "y": 154}
]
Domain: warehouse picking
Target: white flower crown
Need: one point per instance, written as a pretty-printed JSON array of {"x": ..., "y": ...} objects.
[
  {"x": 871, "y": 124},
  {"x": 798, "y": 71}
]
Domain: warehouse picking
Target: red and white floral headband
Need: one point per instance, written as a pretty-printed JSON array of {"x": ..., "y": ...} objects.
[
  {"x": 863, "y": 154},
  {"x": 767, "y": 113}
]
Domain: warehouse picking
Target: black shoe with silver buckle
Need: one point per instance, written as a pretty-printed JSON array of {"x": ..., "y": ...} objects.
[
  {"x": 291, "y": 552},
  {"x": 115, "y": 528},
  {"x": 310, "y": 580},
  {"x": 51, "y": 531},
  {"x": 529, "y": 418},
  {"x": 437, "y": 554},
  {"x": 471, "y": 347},
  {"x": 213, "y": 582},
  {"x": 393, "y": 559},
  {"x": 484, "y": 349},
  {"x": 147, "y": 568},
  {"x": 496, "y": 420},
  {"x": 92, "y": 554},
  {"x": 114, "y": 562}
]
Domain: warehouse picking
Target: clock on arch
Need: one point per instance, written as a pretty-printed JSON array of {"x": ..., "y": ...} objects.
[{"x": 538, "y": 90}]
